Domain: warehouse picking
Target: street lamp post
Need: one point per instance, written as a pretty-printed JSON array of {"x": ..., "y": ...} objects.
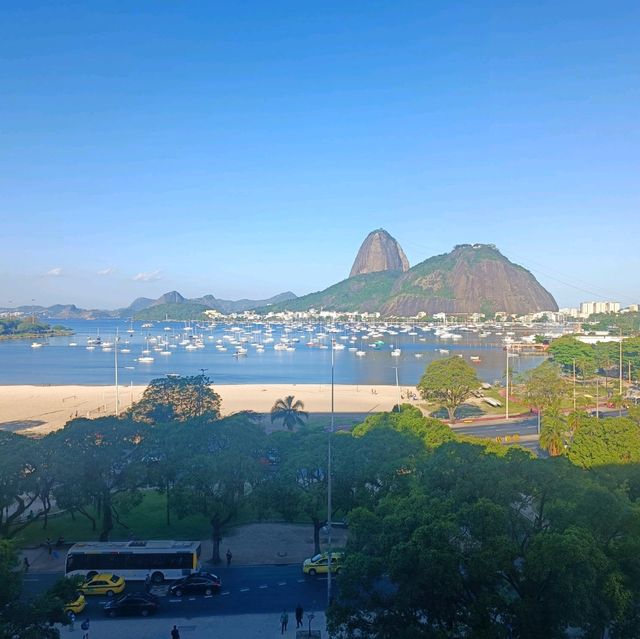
[
  {"x": 115, "y": 356},
  {"x": 506, "y": 397},
  {"x": 329, "y": 504}
]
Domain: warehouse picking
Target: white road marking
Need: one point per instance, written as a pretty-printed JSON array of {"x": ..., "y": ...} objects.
[
  {"x": 208, "y": 596},
  {"x": 301, "y": 581},
  {"x": 175, "y": 600},
  {"x": 282, "y": 583},
  {"x": 244, "y": 589},
  {"x": 262, "y": 587},
  {"x": 226, "y": 592},
  {"x": 192, "y": 598}
]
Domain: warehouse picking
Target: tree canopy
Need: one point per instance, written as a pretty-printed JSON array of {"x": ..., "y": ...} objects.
[
  {"x": 177, "y": 399},
  {"x": 448, "y": 381}
]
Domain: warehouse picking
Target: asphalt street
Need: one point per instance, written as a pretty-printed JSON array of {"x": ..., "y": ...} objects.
[{"x": 245, "y": 589}]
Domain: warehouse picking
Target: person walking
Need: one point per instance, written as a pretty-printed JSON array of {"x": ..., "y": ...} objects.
[
  {"x": 229, "y": 556},
  {"x": 26, "y": 564},
  {"x": 299, "y": 615},
  {"x": 175, "y": 633},
  {"x": 72, "y": 620},
  {"x": 48, "y": 543},
  {"x": 284, "y": 620},
  {"x": 85, "y": 628}
]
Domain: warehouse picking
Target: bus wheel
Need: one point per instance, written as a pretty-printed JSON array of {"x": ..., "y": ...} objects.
[{"x": 157, "y": 577}]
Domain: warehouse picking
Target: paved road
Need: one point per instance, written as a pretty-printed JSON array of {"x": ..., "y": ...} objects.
[{"x": 245, "y": 589}]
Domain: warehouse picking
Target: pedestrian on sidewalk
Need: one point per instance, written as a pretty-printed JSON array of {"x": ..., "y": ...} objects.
[
  {"x": 25, "y": 561},
  {"x": 229, "y": 556},
  {"x": 85, "y": 628},
  {"x": 284, "y": 620},
  {"x": 299, "y": 615},
  {"x": 175, "y": 633},
  {"x": 72, "y": 620},
  {"x": 48, "y": 544}
]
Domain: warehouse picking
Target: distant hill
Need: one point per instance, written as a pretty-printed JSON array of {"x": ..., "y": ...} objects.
[
  {"x": 175, "y": 306},
  {"x": 469, "y": 279},
  {"x": 169, "y": 302},
  {"x": 184, "y": 311}
]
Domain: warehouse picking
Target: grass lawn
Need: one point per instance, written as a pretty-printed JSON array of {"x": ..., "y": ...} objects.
[{"x": 145, "y": 521}]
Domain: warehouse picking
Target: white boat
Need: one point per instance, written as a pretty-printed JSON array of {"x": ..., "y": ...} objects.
[
  {"x": 396, "y": 352},
  {"x": 360, "y": 353},
  {"x": 125, "y": 350},
  {"x": 73, "y": 343},
  {"x": 145, "y": 359},
  {"x": 36, "y": 344}
]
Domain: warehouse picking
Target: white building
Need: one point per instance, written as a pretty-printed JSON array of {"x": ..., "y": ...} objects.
[{"x": 589, "y": 308}]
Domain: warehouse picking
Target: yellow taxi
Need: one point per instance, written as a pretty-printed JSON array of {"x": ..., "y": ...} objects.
[
  {"x": 77, "y": 605},
  {"x": 319, "y": 564},
  {"x": 103, "y": 584}
]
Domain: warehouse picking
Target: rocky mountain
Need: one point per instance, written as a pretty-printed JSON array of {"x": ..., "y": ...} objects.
[
  {"x": 470, "y": 279},
  {"x": 473, "y": 278},
  {"x": 379, "y": 252}
]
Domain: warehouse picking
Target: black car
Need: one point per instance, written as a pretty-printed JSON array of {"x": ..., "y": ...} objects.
[
  {"x": 199, "y": 583},
  {"x": 133, "y": 603}
]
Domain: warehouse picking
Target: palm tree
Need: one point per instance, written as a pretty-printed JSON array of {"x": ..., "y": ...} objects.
[
  {"x": 289, "y": 411},
  {"x": 554, "y": 433}
]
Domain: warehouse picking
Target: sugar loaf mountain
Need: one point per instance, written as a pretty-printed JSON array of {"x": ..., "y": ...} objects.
[{"x": 472, "y": 278}]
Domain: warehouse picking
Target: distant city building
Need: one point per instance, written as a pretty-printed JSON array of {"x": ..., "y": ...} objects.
[
  {"x": 589, "y": 308},
  {"x": 570, "y": 312}
]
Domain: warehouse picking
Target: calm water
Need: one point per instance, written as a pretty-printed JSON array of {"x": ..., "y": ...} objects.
[{"x": 59, "y": 363}]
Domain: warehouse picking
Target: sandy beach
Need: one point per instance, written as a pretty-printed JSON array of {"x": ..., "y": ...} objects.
[{"x": 37, "y": 410}]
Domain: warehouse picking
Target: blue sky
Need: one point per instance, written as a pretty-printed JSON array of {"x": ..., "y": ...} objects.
[{"x": 244, "y": 149}]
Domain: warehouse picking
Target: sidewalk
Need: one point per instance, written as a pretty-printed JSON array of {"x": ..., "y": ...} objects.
[
  {"x": 251, "y": 626},
  {"x": 251, "y": 545}
]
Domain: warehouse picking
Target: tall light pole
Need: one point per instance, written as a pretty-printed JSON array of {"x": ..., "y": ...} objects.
[
  {"x": 620, "y": 366},
  {"x": 115, "y": 356},
  {"x": 329, "y": 504},
  {"x": 506, "y": 413},
  {"x": 574, "y": 385},
  {"x": 397, "y": 388}
]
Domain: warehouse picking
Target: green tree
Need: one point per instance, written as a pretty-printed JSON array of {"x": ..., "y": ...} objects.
[
  {"x": 291, "y": 412},
  {"x": 448, "y": 381},
  {"x": 99, "y": 467},
  {"x": 554, "y": 434},
  {"x": 544, "y": 387},
  {"x": 484, "y": 546},
  {"x": 22, "y": 487},
  {"x": 567, "y": 349},
  {"x": 28, "y": 618},
  {"x": 220, "y": 472},
  {"x": 597, "y": 442},
  {"x": 177, "y": 399}
]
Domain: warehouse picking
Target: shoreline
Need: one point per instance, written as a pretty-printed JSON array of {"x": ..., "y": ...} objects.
[{"x": 39, "y": 409}]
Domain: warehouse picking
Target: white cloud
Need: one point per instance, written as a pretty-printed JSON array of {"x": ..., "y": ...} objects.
[
  {"x": 152, "y": 276},
  {"x": 54, "y": 272},
  {"x": 107, "y": 271}
]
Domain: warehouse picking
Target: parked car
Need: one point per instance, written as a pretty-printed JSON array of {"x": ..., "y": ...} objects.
[
  {"x": 133, "y": 603},
  {"x": 199, "y": 583},
  {"x": 103, "y": 584},
  {"x": 319, "y": 564}
]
